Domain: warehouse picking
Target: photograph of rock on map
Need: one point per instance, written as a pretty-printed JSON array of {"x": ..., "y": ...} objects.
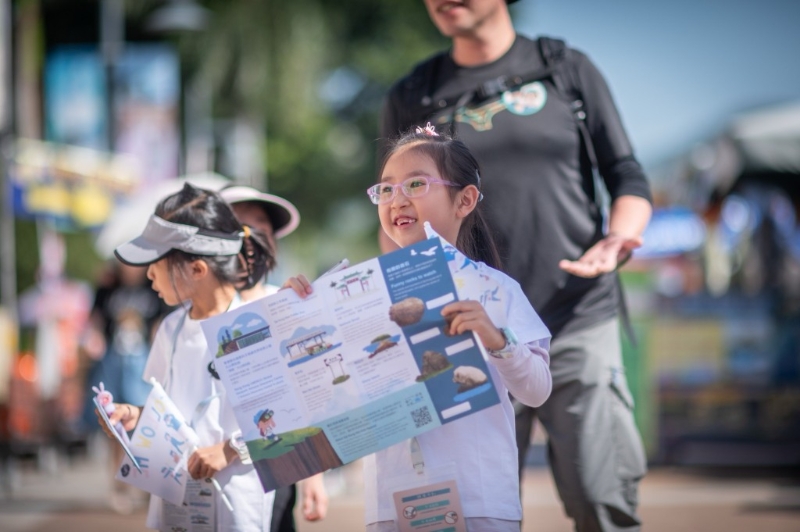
[
  {"x": 407, "y": 312},
  {"x": 433, "y": 363},
  {"x": 299, "y": 454}
]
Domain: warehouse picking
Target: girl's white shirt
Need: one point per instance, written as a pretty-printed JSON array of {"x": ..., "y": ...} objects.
[
  {"x": 482, "y": 445},
  {"x": 189, "y": 385}
]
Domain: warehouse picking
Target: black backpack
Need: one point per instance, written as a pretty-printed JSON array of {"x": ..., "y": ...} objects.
[{"x": 418, "y": 86}]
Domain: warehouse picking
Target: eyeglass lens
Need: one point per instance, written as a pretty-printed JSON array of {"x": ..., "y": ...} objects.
[{"x": 411, "y": 187}]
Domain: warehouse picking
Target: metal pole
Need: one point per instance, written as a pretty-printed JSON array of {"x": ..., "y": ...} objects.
[
  {"x": 8, "y": 272},
  {"x": 112, "y": 40}
]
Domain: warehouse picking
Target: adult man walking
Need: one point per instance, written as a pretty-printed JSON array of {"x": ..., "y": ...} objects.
[{"x": 538, "y": 116}]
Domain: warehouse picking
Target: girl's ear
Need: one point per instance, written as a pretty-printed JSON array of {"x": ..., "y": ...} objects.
[
  {"x": 198, "y": 269},
  {"x": 467, "y": 200}
]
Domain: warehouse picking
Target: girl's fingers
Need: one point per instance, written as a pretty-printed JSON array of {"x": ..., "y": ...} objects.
[
  {"x": 461, "y": 311},
  {"x": 463, "y": 323},
  {"x": 122, "y": 412},
  {"x": 299, "y": 284},
  {"x": 192, "y": 465},
  {"x": 115, "y": 416},
  {"x": 461, "y": 306},
  {"x": 490, "y": 336},
  {"x": 102, "y": 424},
  {"x": 466, "y": 316}
]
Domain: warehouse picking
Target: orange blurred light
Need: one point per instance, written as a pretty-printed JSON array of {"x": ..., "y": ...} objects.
[{"x": 27, "y": 368}]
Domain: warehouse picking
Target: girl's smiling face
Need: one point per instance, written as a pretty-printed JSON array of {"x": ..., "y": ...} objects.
[{"x": 402, "y": 218}]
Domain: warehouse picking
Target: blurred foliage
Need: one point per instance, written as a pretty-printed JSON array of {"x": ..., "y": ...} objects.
[
  {"x": 313, "y": 73},
  {"x": 278, "y": 62},
  {"x": 81, "y": 263},
  {"x": 27, "y": 253}
]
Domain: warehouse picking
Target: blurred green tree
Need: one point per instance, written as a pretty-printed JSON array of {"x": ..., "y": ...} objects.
[{"x": 313, "y": 72}]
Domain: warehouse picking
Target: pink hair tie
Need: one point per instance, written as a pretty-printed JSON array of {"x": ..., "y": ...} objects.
[{"x": 428, "y": 130}]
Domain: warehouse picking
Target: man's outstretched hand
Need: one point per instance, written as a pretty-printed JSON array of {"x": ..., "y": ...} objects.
[{"x": 606, "y": 256}]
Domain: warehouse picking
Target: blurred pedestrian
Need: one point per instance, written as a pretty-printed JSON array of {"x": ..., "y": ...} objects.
[
  {"x": 276, "y": 217},
  {"x": 123, "y": 320},
  {"x": 539, "y": 116}
]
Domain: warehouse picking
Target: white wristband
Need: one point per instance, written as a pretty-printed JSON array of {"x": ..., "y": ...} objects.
[
  {"x": 238, "y": 444},
  {"x": 507, "y": 351}
]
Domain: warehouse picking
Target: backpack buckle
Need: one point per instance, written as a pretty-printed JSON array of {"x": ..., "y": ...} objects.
[
  {"x": 492, "y": 87},
  {"x": 577, "y": 109}
]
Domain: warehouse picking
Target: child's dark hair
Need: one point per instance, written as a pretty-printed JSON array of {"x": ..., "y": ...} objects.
[
  {"x": 456, "y": 164},
  {"x": 207, "y": 210}
]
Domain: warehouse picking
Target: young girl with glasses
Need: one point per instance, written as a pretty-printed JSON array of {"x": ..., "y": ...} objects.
[
  {"x": 198, "y": 255},
  {"x": 427, "y": 177}
]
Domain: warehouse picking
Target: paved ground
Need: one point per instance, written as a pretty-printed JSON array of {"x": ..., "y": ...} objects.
[
  {"x": 671, "y": 500},
  {"x": 72, "y": 496}
]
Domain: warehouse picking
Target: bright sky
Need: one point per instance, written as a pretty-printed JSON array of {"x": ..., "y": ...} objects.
[{"x": 679, "y": 69}]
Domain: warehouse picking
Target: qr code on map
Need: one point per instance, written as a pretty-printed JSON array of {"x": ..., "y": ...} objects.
[{"x": 421, "y": 416}]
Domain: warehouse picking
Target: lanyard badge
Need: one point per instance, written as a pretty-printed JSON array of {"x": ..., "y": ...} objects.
[{"x": 429, "y": 498}]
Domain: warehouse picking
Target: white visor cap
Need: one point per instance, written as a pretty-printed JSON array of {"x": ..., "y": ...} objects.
[{"x": 161, "y": 236}]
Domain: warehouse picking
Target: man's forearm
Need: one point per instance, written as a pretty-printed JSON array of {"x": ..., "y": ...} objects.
[{"x": 629, "y": 216}]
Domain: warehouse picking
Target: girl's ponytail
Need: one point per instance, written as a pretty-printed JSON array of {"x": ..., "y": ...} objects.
[
  {"x": 475, "y": 240},
  {"x": 207, "y": 210},
  {"x": 256, "y": 259}
]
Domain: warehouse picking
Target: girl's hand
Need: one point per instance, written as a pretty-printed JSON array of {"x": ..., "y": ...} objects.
[
  {"x": 315, "y": 498},
  {"x": 208, "y": 461},
  {"x": 127, "y": 414},
  {"x": 299, "y": 284},
  {"x": 466, "y": 316}
]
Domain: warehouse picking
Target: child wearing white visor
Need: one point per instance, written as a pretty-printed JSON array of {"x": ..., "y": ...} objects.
[{"x": 199, "y": 255}]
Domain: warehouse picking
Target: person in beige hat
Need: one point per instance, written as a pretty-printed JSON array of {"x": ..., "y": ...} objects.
[{"x": 276, "y": 217}]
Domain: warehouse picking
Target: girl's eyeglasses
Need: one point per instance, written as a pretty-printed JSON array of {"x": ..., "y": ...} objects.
[{"x": 413, "y": 187}]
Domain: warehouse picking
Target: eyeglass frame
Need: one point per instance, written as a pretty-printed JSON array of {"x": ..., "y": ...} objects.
[{"x": 429, "y": 181}]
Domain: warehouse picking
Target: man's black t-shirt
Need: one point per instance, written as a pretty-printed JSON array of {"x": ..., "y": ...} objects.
[{"x": 537, "y": 184}]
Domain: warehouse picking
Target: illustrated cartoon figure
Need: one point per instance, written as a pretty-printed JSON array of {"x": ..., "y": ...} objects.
[
  {"x": 171, "y": 472},
  {"x": 106, "y": 401},
  {"x": 172, "y": 422},
  {"x": 174, "y": 442},
  {"x": 265, "y": 423}
]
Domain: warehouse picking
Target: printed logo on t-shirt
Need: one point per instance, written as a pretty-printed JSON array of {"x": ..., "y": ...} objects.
[
  {"x": 525, "y": 101},
  {"x": 529, "y": 99}
]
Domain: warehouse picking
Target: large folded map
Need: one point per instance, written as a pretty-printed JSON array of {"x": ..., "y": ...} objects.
[{"x": 364, "y": 362}]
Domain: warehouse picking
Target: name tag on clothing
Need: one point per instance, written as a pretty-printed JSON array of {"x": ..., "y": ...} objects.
[
  {"x": 198, "y": 511},
  {"x": 428, "y": 501}
]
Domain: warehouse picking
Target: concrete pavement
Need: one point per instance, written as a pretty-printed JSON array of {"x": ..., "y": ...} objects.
[
  {"x": 671, "y": 500},
  {"x": 72, "y": 496}
]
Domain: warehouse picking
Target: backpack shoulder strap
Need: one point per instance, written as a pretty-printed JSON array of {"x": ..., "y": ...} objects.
[
  {"x": 555, "y": 54},
  {"x": 415, "y": 90},
  {"x": 552, "y": 50}
]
